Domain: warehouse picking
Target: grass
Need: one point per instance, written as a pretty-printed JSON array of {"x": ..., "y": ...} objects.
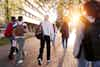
[{"x": 4, "y": 41}]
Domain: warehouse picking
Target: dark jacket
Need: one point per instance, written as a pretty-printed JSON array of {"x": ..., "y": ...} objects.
[
  {"x": 84, "y": 39},
  {"x": 89, "y": 45},
  {"x": 64, "y": 30}
]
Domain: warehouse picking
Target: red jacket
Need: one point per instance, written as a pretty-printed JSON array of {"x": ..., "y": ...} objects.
[{"x": 9, "y": 30}]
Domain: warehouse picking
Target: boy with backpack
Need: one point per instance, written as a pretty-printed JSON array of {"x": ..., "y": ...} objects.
[
  {"x": 19, "y": 30},
  {"x": 9, "y": 34}
]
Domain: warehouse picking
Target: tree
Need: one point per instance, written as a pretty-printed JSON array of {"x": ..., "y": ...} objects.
[
  {"x": 11, "y": 7},
  {"x": 7, "y": 10},
  {"x": 2, "y": 11}
]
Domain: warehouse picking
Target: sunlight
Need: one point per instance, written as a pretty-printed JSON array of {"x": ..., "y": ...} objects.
[
  {"x": 52, "y": 15},
  {"x": 31, "y": 20},
  {"x": 71, "y": 39},
  {"x": 74, "y": 23},
  {"x": 75, "y": 15}
]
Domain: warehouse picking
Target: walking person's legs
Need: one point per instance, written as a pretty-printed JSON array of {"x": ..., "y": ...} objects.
[
  {"x": 96, "y": 64},
  {"x": 19, "y": 56},
  {"x": 42, "y": 44},
  {"x": 63, "y": 42},
  {"x": 54, "y": 44},
  {"x": 66, "y": 43},
  {"x": 83, "y": 63},
  {"x": 48, "y": 48},
  {"x": 12, "y": 48}
]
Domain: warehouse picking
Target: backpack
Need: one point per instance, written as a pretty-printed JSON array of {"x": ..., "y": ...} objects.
[
  {"x": 19, "y": 30},
  {"x": 92, "y": 42},
  {"x": 9, "y": 30}
]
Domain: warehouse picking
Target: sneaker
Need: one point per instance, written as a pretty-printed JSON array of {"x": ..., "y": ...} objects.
[
  {"x": 48, "y": 61},
  {"x": 39, "y": 61},
  {"x": 20, "y": 62}
]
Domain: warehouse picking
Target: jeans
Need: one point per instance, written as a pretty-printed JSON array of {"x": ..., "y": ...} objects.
[
  {"x": 64, "y": 42},
  {"x": 44, "y": 39},
  {"x": 96, "y": 64},
  {"x": 83, "y": 63},
  {"x": 54, "y": 39},
  {"x": 20, "y": 54}
]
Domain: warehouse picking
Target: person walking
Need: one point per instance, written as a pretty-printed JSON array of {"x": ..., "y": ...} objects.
[
  {"x": 19, "y": 30},
  {"x": 54, "y": 35},
  {"x": 88, "y": 44},
  {"x": 9, "y": 34},
  {"x": 65, "y": 34},
  {"x": 78, "y": 49},
  {"x": 47, "y": 29}
]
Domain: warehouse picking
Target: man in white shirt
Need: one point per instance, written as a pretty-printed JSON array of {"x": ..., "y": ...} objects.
[{"x": 47, "y": 30}]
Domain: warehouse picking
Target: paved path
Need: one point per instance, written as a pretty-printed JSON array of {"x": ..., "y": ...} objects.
[{"x": 59, "y": 57}]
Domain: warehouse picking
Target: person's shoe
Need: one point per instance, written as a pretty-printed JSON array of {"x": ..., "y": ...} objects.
[
  {"x": 11, "y": 57},
  {"x": 48, "y": 61},
  {"x": 39, "y": 61},
  {"x": 20, "y": 62}
]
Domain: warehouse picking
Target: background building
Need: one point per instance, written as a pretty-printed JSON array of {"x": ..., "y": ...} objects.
[
  {"x": 17, "y": 8},
  {"x": 26, "y": 8}
]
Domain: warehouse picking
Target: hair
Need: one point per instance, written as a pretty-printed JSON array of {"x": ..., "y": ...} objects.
[
  {"x": 20, "y": 18},
  {"x": 91, "y": 8},
  {"x": 13, "y": 18}
]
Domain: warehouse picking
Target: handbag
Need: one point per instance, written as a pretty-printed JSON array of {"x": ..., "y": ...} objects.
[{"x": 38, "y": 35}]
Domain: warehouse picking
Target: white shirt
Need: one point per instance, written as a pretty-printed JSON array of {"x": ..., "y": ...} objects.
[
  {"x": 47, "y": 28},
  {"x": 19, "y": 22}
]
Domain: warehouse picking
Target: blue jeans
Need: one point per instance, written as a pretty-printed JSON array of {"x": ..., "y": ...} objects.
[
  {"x": 96, "y": 64},
  {"x": 53, "y": 41},
  {"x": 83, "y": 63},
  {"x": 64, "y": 42},
  {"x": 20, "y": 54}
]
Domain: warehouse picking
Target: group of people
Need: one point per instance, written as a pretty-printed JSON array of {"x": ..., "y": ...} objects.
[
  {"x": 15, "y": 33},
  {"x": 47, "y": 35},
  {"x": 86, "y": 44}
]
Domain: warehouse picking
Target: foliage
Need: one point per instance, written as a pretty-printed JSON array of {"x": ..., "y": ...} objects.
[
  {"x": 4, "y": 41},
  {"x": 10, "y": 7}
]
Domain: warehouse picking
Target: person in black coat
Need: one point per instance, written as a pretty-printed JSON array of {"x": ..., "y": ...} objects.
[{"x": 86, "y": 53}]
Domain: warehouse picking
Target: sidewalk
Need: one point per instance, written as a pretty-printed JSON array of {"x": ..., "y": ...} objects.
[{"x": 59, "y": 58}]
